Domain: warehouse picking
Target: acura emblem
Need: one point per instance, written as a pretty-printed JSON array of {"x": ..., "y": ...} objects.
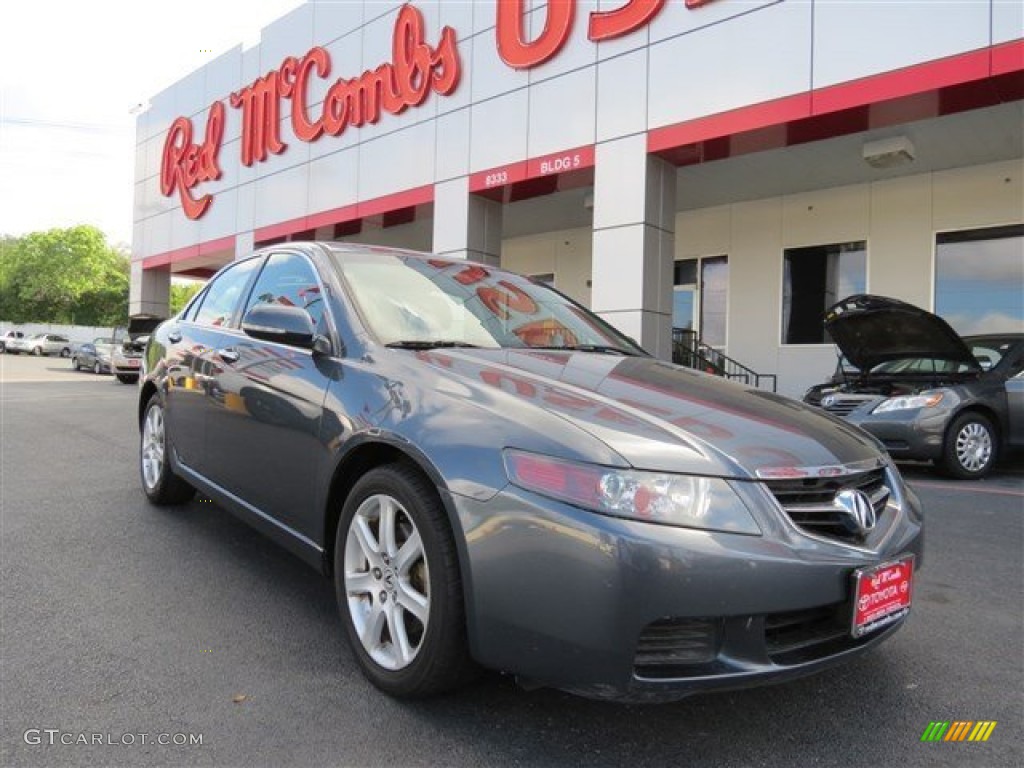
[
  {"x": 827, "y": 401},
  {"x": 857, "y": 506}
]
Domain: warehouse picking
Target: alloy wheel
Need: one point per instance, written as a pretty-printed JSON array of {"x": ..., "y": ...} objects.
[
  {"x": 387, "y": 582},
  {"x": 973, "y": 446},
  {"x": 153, "y": 447}
]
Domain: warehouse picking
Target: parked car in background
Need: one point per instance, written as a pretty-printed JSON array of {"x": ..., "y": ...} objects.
[
  {"x": 41, "y": 344},
  {"x": 493, "y": 474},
  {"x": 924, "y": 391},
  {"x": 94, "y": 356},
  {"x": 127, "y": 357},
  {"x": 9, "y": 336}
]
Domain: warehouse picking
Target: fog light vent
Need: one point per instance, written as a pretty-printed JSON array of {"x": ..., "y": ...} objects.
[{"x": 675, "y": 643}]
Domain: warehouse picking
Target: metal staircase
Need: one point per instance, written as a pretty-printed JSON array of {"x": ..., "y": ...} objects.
[{"x": 689, "y": 350}]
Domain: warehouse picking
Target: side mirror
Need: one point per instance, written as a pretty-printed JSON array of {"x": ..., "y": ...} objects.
[{"x": 285, "y": 325}]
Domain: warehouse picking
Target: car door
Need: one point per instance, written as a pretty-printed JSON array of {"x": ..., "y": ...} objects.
[
  {"x": 263, "y": 426},
  {"x": 1015, "y": 409},
  {"x": 188, "y": 340}
]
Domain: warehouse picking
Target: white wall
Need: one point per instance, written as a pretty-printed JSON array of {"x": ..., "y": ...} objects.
[
  {"x": 566, "y": 254},
  {"x": 79, "y": 334}
]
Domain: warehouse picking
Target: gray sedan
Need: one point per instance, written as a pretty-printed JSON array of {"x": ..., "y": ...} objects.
[
  {"x": 92, "y": 356},
  {"x": 924, "y": 391},
  {"x": 493, "y": 476}
]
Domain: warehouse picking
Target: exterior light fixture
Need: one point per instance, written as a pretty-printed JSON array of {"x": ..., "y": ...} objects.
[{"x": 888, "y": 153}]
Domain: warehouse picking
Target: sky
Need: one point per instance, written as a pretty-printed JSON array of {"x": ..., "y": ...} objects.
[{"x": 71, "y": 74}]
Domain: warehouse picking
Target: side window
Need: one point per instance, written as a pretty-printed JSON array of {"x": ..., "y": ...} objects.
[
  {"x": 289, "y": 280},
  {"x": 189, "y": 313},
  {"x": 222, "y": 295}
]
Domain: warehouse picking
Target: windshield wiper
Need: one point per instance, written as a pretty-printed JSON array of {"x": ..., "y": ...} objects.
[
  {"x": 600, "y": 349},
  {"x": 430, "y": 344}
]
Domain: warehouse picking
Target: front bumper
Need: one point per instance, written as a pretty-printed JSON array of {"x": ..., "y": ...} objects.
[
  {"x": 912, "y": 434},
  {"x": 563, "y": 597}
]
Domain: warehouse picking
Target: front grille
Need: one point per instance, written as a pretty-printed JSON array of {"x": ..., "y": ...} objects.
[
  {"x": 842, "y": 405},
  {"x": 667, "y": 645},
  {"x": 809, "y": 502}
]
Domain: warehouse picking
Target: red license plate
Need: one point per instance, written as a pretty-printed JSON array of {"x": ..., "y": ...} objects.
[
  {"x": 133, "y": 363},
  {"x": 882, "y": 594}
]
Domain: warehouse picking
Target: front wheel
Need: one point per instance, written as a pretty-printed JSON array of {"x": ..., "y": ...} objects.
[
  {"x": 399, "y": 590},
  {"x": 37, "y": 351},
  {"x": 97, "y": 368},
  {"x": 970, "y": 449},
  {"x": 161, "y": 485}
]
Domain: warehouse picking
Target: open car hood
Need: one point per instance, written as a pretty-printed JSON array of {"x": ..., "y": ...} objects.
[
  {"x": 870, "y": 330},
  {"x": 142, "y": 325}
]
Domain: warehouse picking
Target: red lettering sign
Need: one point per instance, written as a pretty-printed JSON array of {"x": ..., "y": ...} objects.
[
  {"x": 416, "y": 69},
  {"x": 605, "y": 25},
  {"x": 515, "y": 50},
  {"x": 184, "y": 164}
]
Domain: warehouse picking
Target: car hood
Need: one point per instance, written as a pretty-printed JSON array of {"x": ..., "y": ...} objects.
[
  {"x": 870, "y": 330},
  {"x": 142, "y": 326},
  {"x": 659, "y": 416}
]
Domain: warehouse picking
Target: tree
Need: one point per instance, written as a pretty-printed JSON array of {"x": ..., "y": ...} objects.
[
  {"x": 63, "y": 276},
  {"x": 181, "y": 293}
]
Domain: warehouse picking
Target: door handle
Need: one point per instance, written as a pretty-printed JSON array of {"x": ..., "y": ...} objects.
[
  {"x": 228, "y": 354},
  {"x": 174, "y": 336}
]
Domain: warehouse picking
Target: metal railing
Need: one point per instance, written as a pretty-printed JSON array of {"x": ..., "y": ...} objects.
[{"x": 689, "y": 350}]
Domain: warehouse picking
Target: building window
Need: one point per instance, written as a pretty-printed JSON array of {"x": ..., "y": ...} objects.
[
  {"x": 714, "y": 283},
  {"x": 548, "y": 278},
  {"x": 814, "y": 279},
  {"x": 684, "y": 296},
  {"x": 978, "y": 279},
  {"x": 700, "y": 297}
]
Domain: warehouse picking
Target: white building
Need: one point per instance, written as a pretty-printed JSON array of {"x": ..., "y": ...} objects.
[{"x": 733, "y": 166}]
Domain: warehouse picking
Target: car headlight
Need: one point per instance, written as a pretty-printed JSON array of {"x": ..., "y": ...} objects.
[
  {"x": 708, "y": 503},
  {"x": 909, "y": 402}
]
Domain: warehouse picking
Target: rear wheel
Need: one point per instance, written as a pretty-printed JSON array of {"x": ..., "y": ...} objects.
[
  {"x": 971, "y": 447},
  {"x": 37, "y": 351},
  {"x": 65, "y": 352},
  {"x": 74, "y": 364},
  {"x": 399, "y": 590},
  {"x": 97, "y": 368},
  {"x": 161, "y": 485}
]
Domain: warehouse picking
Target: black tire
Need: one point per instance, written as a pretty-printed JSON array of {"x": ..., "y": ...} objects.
[
  {"x": 37, "y": 351},
  {"x": 162, "y": 487},
  {"x": 441, "y": 659},
  {"x": 74, "y": 364},
  {"x": 97, "y": 368},
  {"x": 127, "y": 378},
  {"x": 971, "y": 446},
  {"x": 65, "y": 352}
]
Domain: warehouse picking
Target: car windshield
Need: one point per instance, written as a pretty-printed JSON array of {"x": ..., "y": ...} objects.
[
  {"x": 418, "y": 302},
  {"x": 921, "y": 365}
]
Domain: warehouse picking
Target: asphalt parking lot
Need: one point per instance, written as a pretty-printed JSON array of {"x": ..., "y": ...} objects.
[{"x": 120, "y": 620}]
